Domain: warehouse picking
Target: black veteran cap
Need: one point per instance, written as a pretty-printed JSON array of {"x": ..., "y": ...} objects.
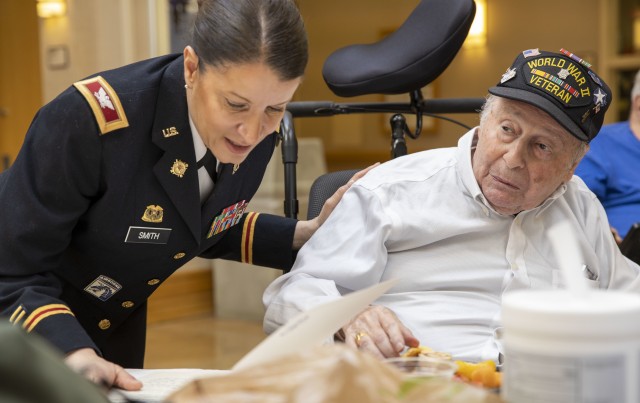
[{"x": 561, "y": 84}]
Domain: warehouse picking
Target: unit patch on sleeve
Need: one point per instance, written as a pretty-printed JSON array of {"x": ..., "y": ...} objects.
[
  {"x": 104, "y": 103},
  {"x": 103, "y": 287}
]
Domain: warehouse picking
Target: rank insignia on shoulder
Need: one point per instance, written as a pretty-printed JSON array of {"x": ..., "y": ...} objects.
[
  {"x": 153, "y": 213},
  {"x": 228, "y": 218},
  {"x": 104, "y": 103},
  {"x": 103, "y": 287}
]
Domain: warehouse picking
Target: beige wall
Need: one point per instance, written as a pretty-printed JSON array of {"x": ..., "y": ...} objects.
[
  {"x": 99, "y": 35},
  {"x": 513, "y": 25},
  {"x": 102, "y": 34}
]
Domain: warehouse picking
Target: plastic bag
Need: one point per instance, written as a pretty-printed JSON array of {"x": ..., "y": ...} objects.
[{"x": 331, "y": 373}]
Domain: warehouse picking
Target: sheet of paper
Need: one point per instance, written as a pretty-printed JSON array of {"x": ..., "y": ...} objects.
[
  {"x": 312, "y": 327},
  {"x": 308, "y": 329},
  {"x": 160, "y": 383}
]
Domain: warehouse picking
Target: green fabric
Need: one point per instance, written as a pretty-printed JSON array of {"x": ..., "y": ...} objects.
[{"x": 32, "y": 372}]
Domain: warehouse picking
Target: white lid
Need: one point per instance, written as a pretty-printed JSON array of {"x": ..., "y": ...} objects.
[{"x": 598, "y": 314}]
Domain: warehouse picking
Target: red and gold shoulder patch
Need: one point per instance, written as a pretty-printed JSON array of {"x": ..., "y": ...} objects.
[{"x": 104, "y": 103}]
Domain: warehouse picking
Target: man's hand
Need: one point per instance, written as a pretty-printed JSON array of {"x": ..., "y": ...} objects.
[
  {"x": 86, "y": 362},
  {"x": 305, "y": 229},
  {"x": 379, "y": 331}
]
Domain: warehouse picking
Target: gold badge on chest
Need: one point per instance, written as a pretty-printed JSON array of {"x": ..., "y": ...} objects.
[
  {"x": 179, "y": 168},
  {"x": 153, "y": 213}
]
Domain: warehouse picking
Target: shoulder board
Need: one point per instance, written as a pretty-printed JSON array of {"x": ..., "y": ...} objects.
[{"x": 104, "y": 103}]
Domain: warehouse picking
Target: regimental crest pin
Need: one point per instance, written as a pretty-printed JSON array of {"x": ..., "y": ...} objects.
[
  {"x": 153, "y": 213},
  {"x": 179, "y": 168},
  {"x": 103, "y": 287}
]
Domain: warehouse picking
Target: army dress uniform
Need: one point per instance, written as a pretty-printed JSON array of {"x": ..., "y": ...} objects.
[{"x": 102, "y": 205}]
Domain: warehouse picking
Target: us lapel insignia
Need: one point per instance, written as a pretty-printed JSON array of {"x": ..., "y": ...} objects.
[
  {"x": 179, "y": 168},
  {"x": 170, "y": 132},
  {"x": 153, "y": 213},
  {"x": 228, "y": 218},
  {"x": 103, "y": 287},
  {"x": 235, "y": 168}
]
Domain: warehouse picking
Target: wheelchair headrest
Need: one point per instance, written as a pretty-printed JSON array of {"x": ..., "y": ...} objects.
[{"x": 408, "y": 59}]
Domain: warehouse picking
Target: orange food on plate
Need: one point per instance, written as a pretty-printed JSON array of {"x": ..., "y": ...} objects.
[{"x": 481, "y": 373}]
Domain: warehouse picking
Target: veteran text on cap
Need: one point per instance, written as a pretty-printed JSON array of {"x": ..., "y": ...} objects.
[{"x": 563, "y": 85}]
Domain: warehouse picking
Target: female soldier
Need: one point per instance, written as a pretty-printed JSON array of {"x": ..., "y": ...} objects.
[{"x": 106, "y": 199}]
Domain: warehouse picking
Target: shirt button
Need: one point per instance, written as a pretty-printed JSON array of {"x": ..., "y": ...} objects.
[
  {"x": 179, "y": 255},
  {"x": 127, "y": 304},
  {"x": 153, "y": 281},
  {"x": 104, "y": 324}
]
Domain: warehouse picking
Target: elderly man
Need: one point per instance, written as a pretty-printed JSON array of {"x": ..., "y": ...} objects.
[{"x": 459, "y": 227}]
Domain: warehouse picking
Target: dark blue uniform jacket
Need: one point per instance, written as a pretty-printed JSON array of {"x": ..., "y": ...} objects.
[{"x": 79, "y": 254}]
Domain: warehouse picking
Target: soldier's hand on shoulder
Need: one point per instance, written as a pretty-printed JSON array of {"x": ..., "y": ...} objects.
[{"x": 305, "y": 229}]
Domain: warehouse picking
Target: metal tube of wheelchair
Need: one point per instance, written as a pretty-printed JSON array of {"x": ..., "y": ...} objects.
[
  {"x": 301, "y": 109},
  {"x": 327, "y": 108},
  {"x": 289, "y": 159},
  {"x": 398, "y": 142},
  {"x": 452, "y": 105}
]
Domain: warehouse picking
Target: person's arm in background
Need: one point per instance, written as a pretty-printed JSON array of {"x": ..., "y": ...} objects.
[
  {"x": 32, "y": 371},
  {"x": 598, "y": 168},
  {"x": 594, "y": 172}
]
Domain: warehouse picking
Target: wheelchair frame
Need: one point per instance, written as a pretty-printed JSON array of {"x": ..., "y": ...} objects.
[{"x": 405, "y": 61}]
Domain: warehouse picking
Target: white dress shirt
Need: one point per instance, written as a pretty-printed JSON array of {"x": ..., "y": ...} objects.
[{"x": 423, "y": 219}]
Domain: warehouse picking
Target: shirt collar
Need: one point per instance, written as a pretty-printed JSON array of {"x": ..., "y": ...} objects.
[{"x": 198, "y": 145}]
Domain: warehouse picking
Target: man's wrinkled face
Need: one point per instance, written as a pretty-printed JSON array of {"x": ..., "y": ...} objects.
[{"x": 522, "y": 156}]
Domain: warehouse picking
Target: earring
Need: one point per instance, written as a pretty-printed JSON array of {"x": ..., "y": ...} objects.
[{"x": 187, "y": 87}]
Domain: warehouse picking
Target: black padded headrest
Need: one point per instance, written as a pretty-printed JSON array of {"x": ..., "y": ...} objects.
[{"x": 408, "y": 59}]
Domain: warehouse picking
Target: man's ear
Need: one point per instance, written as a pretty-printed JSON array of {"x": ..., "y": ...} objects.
[
  {"x": 190, "y": 65},
  {"x": 577, "y": 160}
]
